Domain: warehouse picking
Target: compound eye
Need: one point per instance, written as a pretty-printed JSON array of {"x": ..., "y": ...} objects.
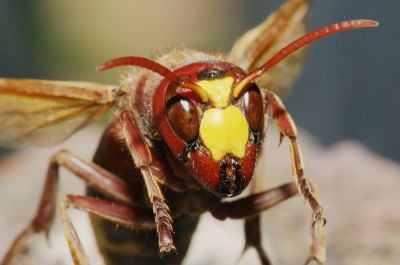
[
  {"x": 253, "y": 107},
  {"x": 183, "y": 117}
]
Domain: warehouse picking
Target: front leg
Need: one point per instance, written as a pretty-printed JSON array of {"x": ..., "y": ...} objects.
[
  {"x": 287, "y": 128},
  {"x": 143, "y": 159}
]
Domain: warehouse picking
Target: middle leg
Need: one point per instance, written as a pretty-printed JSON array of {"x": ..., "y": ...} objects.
[
  {"x": 250, "y": 208},
  {"x": 252, "y": 228},
  {"x": 254, "y": 204}
]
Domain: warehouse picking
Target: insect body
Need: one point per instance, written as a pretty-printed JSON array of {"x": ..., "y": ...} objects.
[{"x": 187, "y": 125}]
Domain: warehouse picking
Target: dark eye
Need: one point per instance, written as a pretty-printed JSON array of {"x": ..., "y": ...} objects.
[
  {"x": 183, "y": 118},
  {"x": 210, "y": 74},
  {"x": 253, "y": 107}
]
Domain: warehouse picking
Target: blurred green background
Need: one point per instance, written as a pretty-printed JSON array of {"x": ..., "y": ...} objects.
[{"x": 349, "y": 88}]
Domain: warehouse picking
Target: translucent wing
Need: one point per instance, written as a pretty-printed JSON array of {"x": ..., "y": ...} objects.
[
  {"x": 43, "y": 113},
  {"x": 259, "y": 44}
]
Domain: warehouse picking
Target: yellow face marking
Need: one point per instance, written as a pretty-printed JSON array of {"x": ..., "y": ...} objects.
[
  {"x": 218, "y": 90},
  {"x": 224, "y": 131}
]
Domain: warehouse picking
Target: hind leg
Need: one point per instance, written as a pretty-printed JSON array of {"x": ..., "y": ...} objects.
[{"x": 90, "y": 173}]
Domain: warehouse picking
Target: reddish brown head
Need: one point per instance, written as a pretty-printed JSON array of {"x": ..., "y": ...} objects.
[{"x": 214, "y": 134}]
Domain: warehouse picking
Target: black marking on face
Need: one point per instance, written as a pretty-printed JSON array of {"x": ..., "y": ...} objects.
[
  {"x": 190, "y": 147},
  {"x": 256, "y": 138},
  {"x": 231, "y": 179},
  {"x": 210, "y": 74}
]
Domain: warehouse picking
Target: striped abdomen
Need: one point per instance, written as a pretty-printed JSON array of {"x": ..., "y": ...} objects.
[{"x": 120, "y": 246}]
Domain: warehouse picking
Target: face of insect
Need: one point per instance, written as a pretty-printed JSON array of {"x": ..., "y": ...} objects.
[{"x": 214, "y": 134}]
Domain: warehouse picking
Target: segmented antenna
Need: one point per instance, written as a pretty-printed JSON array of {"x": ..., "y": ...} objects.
[
  {"x": 155, "y": 67},
  {"x": 300, "y": 43}
]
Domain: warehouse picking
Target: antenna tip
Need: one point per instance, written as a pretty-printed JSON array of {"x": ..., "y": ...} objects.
[
  {"x": 370, "y": 23},
  {"x": 100, "y": 68}
]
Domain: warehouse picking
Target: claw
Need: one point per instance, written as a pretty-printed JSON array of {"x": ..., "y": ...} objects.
[
  {"x": 260, "y": 253},
  {"x": 246, "y": 247},
  {"x": 319, "y": 216},
  {"x": 167, "y": 249},
  {"x": 281, "y": 136},
  {"x": 318, "y": 248},
  {"x": 316, "y": 259}
]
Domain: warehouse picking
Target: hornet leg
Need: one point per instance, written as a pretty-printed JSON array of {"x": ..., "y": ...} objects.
[
  {"x": 143, "y": 159},
  {"x": 287, "y": 128},
  {"x": 132, "y": 217},
  {"x": 90, "y": 173}
]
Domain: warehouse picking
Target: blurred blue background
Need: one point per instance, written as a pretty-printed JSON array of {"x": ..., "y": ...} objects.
[{"x": 348, "y": 90}]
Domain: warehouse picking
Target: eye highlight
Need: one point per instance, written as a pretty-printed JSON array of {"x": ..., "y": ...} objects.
[
  {"x": 183, "y": 117},
  {"x": 253, "y": 107}
]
